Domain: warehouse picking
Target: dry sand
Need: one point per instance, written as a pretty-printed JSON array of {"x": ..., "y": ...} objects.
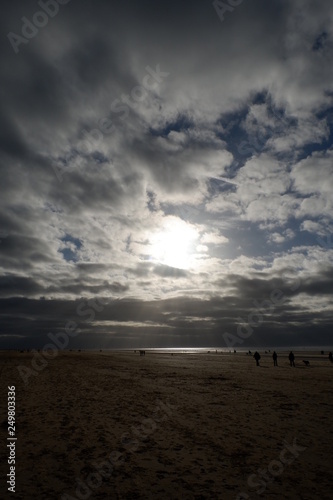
[{"x": 176, "y": 427}]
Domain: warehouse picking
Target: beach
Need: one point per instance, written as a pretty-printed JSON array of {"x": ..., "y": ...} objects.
[{"x": 106, "y": 425}]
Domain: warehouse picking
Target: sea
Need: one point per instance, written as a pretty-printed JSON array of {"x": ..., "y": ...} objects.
[{"x": 213, "y": 350}]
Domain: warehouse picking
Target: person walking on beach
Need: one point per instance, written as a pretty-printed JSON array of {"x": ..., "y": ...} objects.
[
  {"x": 275, "y": 358},
  {"x": 292, "y": 358},
  {"x": 257, "y": 356},
  {"x": 330, "y": 357}
]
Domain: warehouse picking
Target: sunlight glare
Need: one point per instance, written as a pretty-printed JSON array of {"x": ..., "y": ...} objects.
[{"x": 175, "y": 245}]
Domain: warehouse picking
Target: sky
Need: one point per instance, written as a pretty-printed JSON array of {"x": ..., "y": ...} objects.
[{"x": 166, "y": 173}]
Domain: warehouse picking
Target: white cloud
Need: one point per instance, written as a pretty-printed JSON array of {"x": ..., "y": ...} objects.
[{"x": 215, "y": 238}]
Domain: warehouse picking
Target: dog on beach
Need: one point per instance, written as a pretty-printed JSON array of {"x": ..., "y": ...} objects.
[{"x": 306, "y": 362}]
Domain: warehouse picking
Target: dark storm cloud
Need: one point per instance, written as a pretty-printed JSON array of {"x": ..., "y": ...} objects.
[
  {"x": 146, "y": 269},
  {"x": 177, "y": 318},
  {"x": 169, "y": 272},
  {"x": 11, "y": 142},
  {"x": 21, "y": 252},
  {"x": 117, "y": 114},
  {"x": 15, "y": 285}
]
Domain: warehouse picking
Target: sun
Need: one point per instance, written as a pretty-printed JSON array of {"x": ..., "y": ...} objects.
[{"x": 174, "y": 246}]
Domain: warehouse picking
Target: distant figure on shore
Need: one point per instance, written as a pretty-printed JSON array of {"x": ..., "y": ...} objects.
[
  {"x": 275, "y": 358},
  {"x": 257, "y": 357},
  {"x": 330, "y": 357},
  {"x": 291, "y": 358}
]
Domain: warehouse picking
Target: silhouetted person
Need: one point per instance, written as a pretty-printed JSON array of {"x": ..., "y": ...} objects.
[
  {"x": 257, "y": 356},
  {"x": 330, "y": 357},
  {"x": 275, "y": 358},
  {"x": 292, "y": 358}
]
